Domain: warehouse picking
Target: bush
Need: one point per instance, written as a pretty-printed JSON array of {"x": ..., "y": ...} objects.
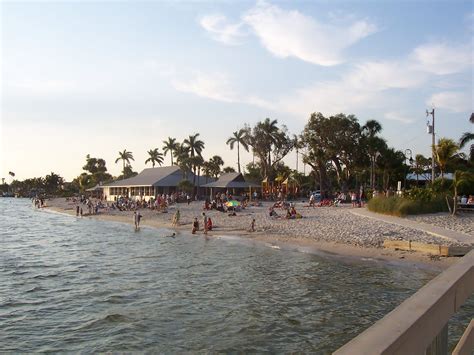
[{"x": 402, "y": 206}]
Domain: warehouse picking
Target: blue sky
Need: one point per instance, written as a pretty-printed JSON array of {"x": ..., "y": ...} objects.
[{"x": 95, "y": 78}]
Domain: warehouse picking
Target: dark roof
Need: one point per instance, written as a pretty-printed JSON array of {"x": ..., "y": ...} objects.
[
  {"x": 232, "y": 181},
  {"x": 159, "y": 177}
]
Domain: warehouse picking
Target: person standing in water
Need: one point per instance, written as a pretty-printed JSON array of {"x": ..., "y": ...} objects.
[
  {"x": 176, "y": 218},
  {"x": 204, "y": 221},
  {"x": 136, "y": 219}
]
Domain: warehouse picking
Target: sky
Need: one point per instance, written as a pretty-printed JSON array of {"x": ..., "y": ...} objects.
[{"x": 96, "y": 78}]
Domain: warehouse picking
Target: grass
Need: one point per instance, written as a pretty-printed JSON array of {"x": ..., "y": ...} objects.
[{"x": 400, "y": 206}]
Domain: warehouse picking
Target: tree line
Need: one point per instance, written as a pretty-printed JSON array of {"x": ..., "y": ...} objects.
[{"x": 341, "y": 153}]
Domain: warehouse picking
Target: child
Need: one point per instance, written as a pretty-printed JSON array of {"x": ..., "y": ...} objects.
[{"x": 195, "y": 226}]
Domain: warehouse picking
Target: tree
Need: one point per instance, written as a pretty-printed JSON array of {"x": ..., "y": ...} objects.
[
  {"x": 461, "y": 178},
  {"x": 125, "y": 157},
  {"x": 228, "y": 169},
  {"x": 154, "y": 157},
  {"x": 97, "y": 169},
  {"x": 128, "y": 173},
  {"x": 215, "y": 164},
  {"x": 239, "y": 137},
  {"x": 194, "y": 144},
  {"x": 466, "y": 138},
  {"x": 445, "y": 150},
  {"x": 170, "y": 146},
  {"x": 182, "y": 159},
  {"x": 195, "y": 147},
  {"x": 392, "y": 162},
  {"x": 421, "y": 165},
  {"x": 332, "y": 141},
  {"x": 269, "y": 143},
  {"x": 373, "y": 144},
  {"x": 53, "y": 182}
]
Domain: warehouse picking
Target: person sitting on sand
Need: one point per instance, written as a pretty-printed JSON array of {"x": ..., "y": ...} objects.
[
  {"x": 272, "y": 212},
  {"x": 195, "y": 226}
]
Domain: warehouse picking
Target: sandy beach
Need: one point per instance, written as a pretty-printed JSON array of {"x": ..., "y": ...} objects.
[{"x": 329, "y": 229}]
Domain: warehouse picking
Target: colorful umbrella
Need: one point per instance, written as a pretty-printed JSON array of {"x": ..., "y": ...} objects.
[{"x": 233, "y": 203}]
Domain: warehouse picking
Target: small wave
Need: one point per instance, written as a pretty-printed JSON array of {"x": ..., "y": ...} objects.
[
  {"x": 107, "y": 320},
  {"x": 34, "y": 289},
  {"x": 45, "y": 276}
]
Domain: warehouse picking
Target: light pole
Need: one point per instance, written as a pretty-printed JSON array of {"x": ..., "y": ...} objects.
[
  {"x": 431, "y": 129},
  {"x": 408, "y": 152}
]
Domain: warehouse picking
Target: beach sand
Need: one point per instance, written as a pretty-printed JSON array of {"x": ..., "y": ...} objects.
[{"x": 332, "y": 230}]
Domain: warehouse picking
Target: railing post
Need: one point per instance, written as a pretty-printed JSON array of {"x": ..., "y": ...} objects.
[{"x": 439, "y": 345}]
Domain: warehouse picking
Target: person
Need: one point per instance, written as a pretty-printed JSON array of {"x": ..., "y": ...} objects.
[
  {"x": 80, "y": 211},
  {"x": 209, "y": 224},
  {"x": 136, "y": 219},
  {"x": 171, "y": 235},
  {"x": 195, "y": 226},
  {"x": 252, "y": 225},
  {"x": 188, "y": 199},
  {"x": 272, "y": 212},
  {"x": 311, "y": 200},
  {"x": 77, "y": 211},
  {"x": 204, "y": 222},
  {"x": 176, "y": 218}
]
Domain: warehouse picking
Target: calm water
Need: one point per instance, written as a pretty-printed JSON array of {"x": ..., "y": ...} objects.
[{"x": 69, "y": 284}]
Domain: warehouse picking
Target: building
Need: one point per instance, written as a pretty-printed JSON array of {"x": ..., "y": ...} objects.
[
  {"x": 234, "y": 183},
  {"x": 150, "y": 183}
]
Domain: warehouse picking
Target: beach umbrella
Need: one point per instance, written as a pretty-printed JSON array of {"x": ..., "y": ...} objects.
[{"x": 233, "y": 203}]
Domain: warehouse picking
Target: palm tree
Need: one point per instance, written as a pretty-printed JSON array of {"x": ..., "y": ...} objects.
[
  {"x": 444, "y": 152},
  {"x": 239, "y": 137},
  {"x": 155, "y": 157},
  {"x": 460, "y": 178},
  {"x": 170, "y": 146},
  {"x": 194, "y": 144},
  {"x": 182, "y": 159},
  {"x": 466, "y": 138},
  {"x": 124, "y": 157},
  {"x": 215, "y": 163}
]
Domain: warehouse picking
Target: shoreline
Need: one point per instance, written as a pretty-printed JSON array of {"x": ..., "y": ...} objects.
[{"x": 294, "y": 243}]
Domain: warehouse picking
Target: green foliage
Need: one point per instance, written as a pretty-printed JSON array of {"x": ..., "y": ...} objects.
[
  {"x": 186, "y": 185},
  {"x": 401, "y": 206},
  {"x": 441, "y": 185}
]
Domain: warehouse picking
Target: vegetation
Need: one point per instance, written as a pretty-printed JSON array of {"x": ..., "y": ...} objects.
[
  {"x": 341, "y": 153},
  {"x": 239, "y": 137},
  {"x": 154, "y": 157},
  {"x": 401, "y": 206}
]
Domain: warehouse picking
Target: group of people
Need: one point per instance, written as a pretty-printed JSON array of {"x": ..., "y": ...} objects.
[
  {"x": 290, "y": 213},
  {"x": 206, "y": 222}
]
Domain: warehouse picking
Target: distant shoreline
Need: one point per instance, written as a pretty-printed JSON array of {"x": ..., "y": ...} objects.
[{"x": 263, "y": 235}]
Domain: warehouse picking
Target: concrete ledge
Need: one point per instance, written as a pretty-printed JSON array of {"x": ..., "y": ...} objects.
[
  {"x": 434, "y": 249},
  {"x": 411, "y": 327}
]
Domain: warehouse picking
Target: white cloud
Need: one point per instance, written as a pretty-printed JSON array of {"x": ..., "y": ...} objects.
[
  {"x": 454, "y": 101},
  {"x": 293, "y": 34},
  {"x": 214, "y": 86},
  {"x": 221, "y": 30},
  {"x": 397, "y": 116},
  {"x": 385, "y": 75},
  {"x": 290, "y": 33},
  {"x": 217, "y": 86},
  {"x": 441, "y": 58}
]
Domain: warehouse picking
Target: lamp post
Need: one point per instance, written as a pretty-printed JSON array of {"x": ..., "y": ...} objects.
[
  {"x": 408, "y": 152},
  {"x": 431, "y": 129}
]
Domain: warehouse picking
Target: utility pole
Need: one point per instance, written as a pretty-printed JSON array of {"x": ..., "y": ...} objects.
[{"x": 431, "y": 129}]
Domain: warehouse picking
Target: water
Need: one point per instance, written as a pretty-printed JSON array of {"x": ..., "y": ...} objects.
[{"x": 70, "y": 284}]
